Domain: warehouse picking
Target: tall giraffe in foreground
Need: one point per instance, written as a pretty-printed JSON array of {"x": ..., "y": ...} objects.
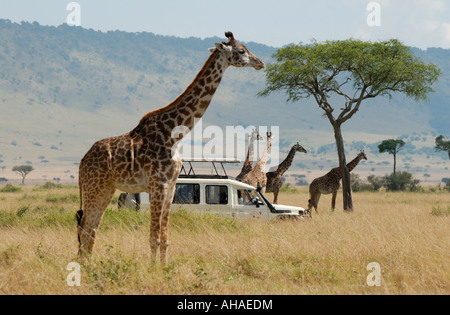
[
  {"x": 330, "y": 183},
  {"x": 248, "y": 164},
  {"x": 274, "y": 181},
  {"x": 146, "y": 159},
  {"x": 257, "y": 176}
]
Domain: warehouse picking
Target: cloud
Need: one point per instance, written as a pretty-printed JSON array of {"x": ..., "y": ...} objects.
[{"x": 419, "y": 23}]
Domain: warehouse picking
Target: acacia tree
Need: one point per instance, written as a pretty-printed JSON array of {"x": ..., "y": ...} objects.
[
  {"x": 392, "y": 146},
  {"x": 23, "y": 170},
  {"x": 352, "y": 70},
  {"x": 442, "y": 145}
]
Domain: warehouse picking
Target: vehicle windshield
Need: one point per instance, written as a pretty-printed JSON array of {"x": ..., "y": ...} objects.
[{"x": 248, "y": 197}]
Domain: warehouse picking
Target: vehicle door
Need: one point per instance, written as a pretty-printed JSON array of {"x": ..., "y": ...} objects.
[
  {"x": 218, "y": 199},
  {"x": 248, "y": 205}
]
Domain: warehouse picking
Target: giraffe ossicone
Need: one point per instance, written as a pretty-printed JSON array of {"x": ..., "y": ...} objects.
[{"x": 145, "y": 159}]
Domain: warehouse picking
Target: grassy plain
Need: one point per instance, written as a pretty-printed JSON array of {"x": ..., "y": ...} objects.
[{"x": 406, "y": 233}]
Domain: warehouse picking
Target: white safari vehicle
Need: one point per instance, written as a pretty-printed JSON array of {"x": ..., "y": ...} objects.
[{"x": 217, "y": 194}]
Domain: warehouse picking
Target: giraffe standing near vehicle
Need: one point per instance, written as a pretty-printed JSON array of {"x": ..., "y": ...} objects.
[
  {"x": 274, "y": 181},
  {"x": 146, "y": 159},
  {"x": 330, "y": 183},
  {"x": 257, "y": 176},
  {"x": 248, "y": 164}
]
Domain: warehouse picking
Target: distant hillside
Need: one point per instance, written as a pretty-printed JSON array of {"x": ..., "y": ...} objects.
[{"x": 62, "y": 88}]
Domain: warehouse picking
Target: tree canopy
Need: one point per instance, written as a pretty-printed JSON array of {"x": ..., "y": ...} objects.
[{"x": 352, "y": 69}]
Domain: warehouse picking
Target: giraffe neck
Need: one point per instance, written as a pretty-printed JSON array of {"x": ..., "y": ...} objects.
[
  {"x": 251, "y": 150},
  {"x": 284, "y": 166},
  {"x": 192, "y": 104},
  {"x": 351, "y": 166},
  {"x": 261, "y": 164}
]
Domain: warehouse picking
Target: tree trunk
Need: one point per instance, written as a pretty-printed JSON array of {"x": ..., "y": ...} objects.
[
  {"x": 346, "y": 184},
  {"x": 395, "y": 163}
]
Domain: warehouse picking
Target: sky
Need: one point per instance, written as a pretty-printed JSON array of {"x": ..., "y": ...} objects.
[{"x": 418, "y": 23}]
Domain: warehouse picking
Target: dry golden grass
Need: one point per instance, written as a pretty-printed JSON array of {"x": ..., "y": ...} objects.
[{"x": 406, "y": 233}]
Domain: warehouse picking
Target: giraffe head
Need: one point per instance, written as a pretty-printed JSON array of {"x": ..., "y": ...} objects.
[
  {"x": 362, "y": 155},
  {"x": 269, "y": 140},
  {"x": 298, "y": 148},
  {"x": 255, "y": 134},
  {"x": 237, "y": 54}
]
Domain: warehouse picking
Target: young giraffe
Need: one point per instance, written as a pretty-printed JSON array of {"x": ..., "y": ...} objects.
[
  {"x": 330, "y": 183},
  {"x": 257, "y": 176},
  {"x": 146, "y": 159},
  {"x": 274, "y": 181},
  {"x": 248, "y": 164}
]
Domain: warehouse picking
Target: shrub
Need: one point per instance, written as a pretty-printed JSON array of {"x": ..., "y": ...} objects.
[
  {"x": 402, "y": 181},
  {"x": 10, "y": 189},
  {"x": 288, "y": 189},
  {"x": 50, "y": 185},
  {"x": 441, "y": 212},
  {"x": 358, "y": 185},
  {"x": 375, "y": 181}
]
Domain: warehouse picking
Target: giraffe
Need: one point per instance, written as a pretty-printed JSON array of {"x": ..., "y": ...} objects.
[
  {"x": 274, "y": 181},
  {"x": 248, "y": 164},
  {"x": 146, "y": 159},
  {"x": 257, "y": 176},
  {"x": 330, "y": 183}
]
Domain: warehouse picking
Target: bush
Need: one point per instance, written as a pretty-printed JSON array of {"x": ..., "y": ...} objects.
[
  {"x": 288, "y": 189},
  {"x": 10, "y": 189},
  {"x": 402, "y": 181},
  {"x": 358, "y": 185},
  {"x": 441, "y": 212},
  {"x": 375, "y": 181},
  {"x": 446, "y": 186},
  {"x": 50, "y": 185}
]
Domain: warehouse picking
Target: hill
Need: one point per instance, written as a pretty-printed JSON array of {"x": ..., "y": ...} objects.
[{"x": 62, "y": 88}]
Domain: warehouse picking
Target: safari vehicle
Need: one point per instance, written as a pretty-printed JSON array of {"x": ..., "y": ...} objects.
[{"x": 217, "y": 193}]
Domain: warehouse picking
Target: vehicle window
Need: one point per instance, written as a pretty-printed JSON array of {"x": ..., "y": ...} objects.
[
  {"x": 187, "y": 194},
  {"x": 217, "y": 195},
  {"x": 247, "y": 197}
]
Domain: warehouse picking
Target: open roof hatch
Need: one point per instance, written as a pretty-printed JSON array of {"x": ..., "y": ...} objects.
[{"x": 217, "y": 168}]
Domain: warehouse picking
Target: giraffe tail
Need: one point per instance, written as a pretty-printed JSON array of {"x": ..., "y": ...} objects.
[{"x": 80, "y": 212}]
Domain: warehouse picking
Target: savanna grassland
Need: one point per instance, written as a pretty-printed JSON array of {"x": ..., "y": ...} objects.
[{"x": 406, "y": 233}]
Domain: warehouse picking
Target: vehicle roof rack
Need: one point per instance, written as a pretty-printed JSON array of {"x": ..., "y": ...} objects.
[
  {"x": 212, "y": 160},
  {"x": 191, "y": 173}
]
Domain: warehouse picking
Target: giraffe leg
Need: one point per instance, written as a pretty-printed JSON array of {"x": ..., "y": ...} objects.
[
  {"x": 314, "y": 201},
  {"x": 333, "y": 200},
  {"x": 95, "y": 203},
  {"x": 156, "y": 205},
  {"x": 165, "y": 223},
  {"x": 159, "y": 194},
  {"x": 276, "y": 191}
]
